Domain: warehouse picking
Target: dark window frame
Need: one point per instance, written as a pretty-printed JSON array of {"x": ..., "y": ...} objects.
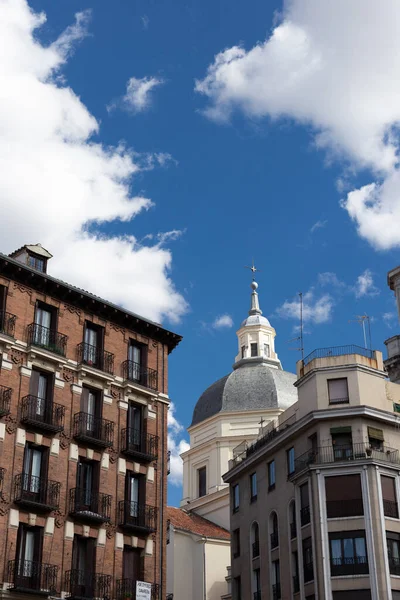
[
  {"x": 236, "y": 542},
  {"x": 202, "y": 481},
  {"x": 344, "y": 400},
  {"x": 235, "y": 499},
  {"x": 253, "y": 486},
  {"x": 340, "y": 569},
  {"x": 271, "y": 475},
  {"x": 253, "y": 349},
  {"x": 289, "y": 453}
]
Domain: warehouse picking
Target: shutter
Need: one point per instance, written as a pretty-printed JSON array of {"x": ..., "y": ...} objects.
[
  {"x": 338, "y": 389},
  {"x": 85, "y": 400},
  {"x": 376, "y": 434},
  {"x": 388, "y": 488},
  {"x": 90, "y": 555},
  {"x": 343, "y": 487},
  {"x": 34, "y": 383}
]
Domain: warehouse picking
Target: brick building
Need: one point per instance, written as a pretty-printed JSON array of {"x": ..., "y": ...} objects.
[{"x": 83, "y": 439}]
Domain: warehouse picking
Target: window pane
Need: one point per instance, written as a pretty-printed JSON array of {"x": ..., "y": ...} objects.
[
  {"x": 348, "y": 550},
  {"x": 336, "y": 549},
  {"x": 337, "y": 389},
  {"x": 360, "y": 547},
  {"x": 254, "y": 350},
  {"x": 388, "y": 488}
]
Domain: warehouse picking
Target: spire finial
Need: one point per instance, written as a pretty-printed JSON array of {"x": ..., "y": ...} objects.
[
  {"x": 254, "y": 307},
  {"x": 253, "y": 268}
]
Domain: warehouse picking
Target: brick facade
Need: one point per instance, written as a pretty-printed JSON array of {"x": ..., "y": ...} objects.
[{"x": 64, "y": 449}]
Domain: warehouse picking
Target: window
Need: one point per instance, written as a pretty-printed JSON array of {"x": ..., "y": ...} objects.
[
  {"x": 292, "y": 520},
  {"x": 393, "y": 550},
  {"x": 375, "y": 438},
  {"x": 338, "y": 391},
  {"x": 41, "y": 388},
  {"x": 271, "y": 475},
  {"x": 202, "y": 481},
  {"x": 274, "y": 536},
  {"x": 237, "y": 588},
  {"x": 91, "y": 406},
  {"x": 83, "y": 565},
  {"x": 28, "y": 557},
  {"x": 304, "y": 505},
  {"x": 35, "y": 472},
  {"x": 254, "y": 349},
  {"x": 255, "y": 541},
  {"x": 308, "y": 569},
  {"x": 236, "y": 543},
  {"x": 135, "y": 430},
  {"x": 267, "y": 352},
  {"x": 93, "y": 345},
  {"x": 295, "y": 571},
  {"x": 132, "y": 566},
  {"x": 87, "y": 484},
  {"x": 36, "y": 262},
  {"x": 342, "y": 443},
  {"x": 243, "y": 350},
  {"x": 253, "y": 487},
  {"x": 348, "y": 553},
  {"x": 256, "y": 584},
  {"x": 290, "y": 461},
  {"x": 276, "y": 580},
  {"x": 235, "y": 497},
  {"x": 135, "y": 491},
  {"x": 390, "y": 507},
  {"x": 137, "y": 361},
  {"x": 44, "y": 325},
  {"x": 352, "y": 595},
  {"x": 343, "y": 496}
]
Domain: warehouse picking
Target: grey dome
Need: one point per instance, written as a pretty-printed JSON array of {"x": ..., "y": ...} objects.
[
  {"x": 252, "y": 386},
  {"x": 255, "y": 320}
]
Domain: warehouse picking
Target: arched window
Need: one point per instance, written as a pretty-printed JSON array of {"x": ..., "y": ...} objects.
[
  {"x": 274, "y": 530},
  {"x": 255, "y": 540},
  {"x": 292, "y": 519}
]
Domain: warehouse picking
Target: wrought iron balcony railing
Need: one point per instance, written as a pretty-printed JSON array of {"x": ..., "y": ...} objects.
[
  {"x": 394, "y": 565},
  {"x": 139, "y": 444},
  {"x": 357, "y": 565},
  {"x": 126, "y": 590},
  {"x": 83, "y": 584},
  {"x": 293, "y": 530},
  {"x": 256, "y": 549},
  {"x": 135, "y": 372},
  {"x": 31, "y": 576},
  {"x": 344, "y": 508},
  {"x": 390, "y": 509},
  {"x": 308, "y": 571},
  {"x": 5, "y": 400},
  {"x": 93, "y": 430},
  {"x": 276, "y": 591},
  {"x": 347, "y": 453},
  {"x": 137, "y": 516},
  {"x": 36, "y": 492},
  {"x": 42, "y": 414},
  {"x": 305, "y": 515},
  {"x": 7, "y": 323},
  {"x": 96, "y": 357},
  {"x": 44, "y": 337},
  {"x": 274, "y": 540},
  {"x": 90, "y": 505}
]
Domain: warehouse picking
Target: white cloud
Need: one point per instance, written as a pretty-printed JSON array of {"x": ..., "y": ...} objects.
[
  {"x": 145, "y": 21},
  {"x": 176, "y": 447},
  {"x": 318, "y": 225},
  {"x": 223, "y": 322},
  {"x": 365, "y": 285},
  {"x": 138, "y": 96},
  {"x": 323, "y": 69},
  {"x": 58, "y": 182},
  {"x": 330, "y": 279},
  {"x": 315, "y": 310},
  {"x": 389, "y": 319}
]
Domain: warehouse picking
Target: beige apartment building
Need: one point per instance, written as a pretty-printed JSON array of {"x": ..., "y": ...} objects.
[{"x": 315, "y": 499}]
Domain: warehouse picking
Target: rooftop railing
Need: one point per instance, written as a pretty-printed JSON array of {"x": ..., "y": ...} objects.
[{"x": 338, "y": 351}]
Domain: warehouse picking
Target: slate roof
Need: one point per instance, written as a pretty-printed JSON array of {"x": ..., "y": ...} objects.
[
  {"x": 187, "y": 521},
  {"x": 253, "y": 386}
]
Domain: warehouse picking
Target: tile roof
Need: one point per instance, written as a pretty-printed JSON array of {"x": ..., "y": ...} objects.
[{"x": 181, "y": 519}]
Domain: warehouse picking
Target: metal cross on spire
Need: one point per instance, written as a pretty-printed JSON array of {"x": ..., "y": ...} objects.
[{"x": 253, "y": 268}]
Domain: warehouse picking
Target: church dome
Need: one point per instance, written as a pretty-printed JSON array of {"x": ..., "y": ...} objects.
[
  {"x": 255, "y": 320},
  {"x": 253, "y": 386}
]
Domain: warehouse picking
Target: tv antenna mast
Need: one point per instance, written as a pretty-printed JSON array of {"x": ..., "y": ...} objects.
[
  {"x": 365, "y": 323},
  {"x": 299, "y": 338}
]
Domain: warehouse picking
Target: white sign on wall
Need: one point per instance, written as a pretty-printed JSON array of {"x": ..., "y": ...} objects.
[{"x": 143, "y": 590}]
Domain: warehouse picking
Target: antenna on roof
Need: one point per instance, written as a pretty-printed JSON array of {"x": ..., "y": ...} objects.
[
  {"x": 362, "y": 320},
  {"x": 299, "y": 338}
]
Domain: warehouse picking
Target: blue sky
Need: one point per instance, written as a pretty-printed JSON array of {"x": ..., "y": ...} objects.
[{"x": 235, "y": 171}]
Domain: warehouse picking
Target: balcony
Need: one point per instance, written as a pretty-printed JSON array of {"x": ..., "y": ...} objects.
[
  {"x": 394, "y": 565},
  {"x": 296, "y": 584},
  {"x": 293, "y": 531},
  {"x": 357, "y": 565},
  {"x": 276, "y": 591},
  {"x": 32, "y": 577},
  {"x": 347, "y": 453},
  {"x": 274, "y": 540},
  {"x": 344, "y": 508},
  {"x": 137, "y": 373},
  {"x": 126, "y": 590},
  {"x": 256, "y": 549},
  {"x": 308, "y": 572},
  {"x": 139, "y": 444},
  {"x": 7, "y": 323},
  {"x": 95, "y": 357},
  {"x": 5, "y": 400},
  {"x": 81, "y": 585},
  {"x": 46, "y": 338},
  {"x": 89, "y": 505},
  {"x": 93, "y": 430},
  {"x": 36, "y": 493},
  {"x": 390, "y": 509},
  {"x": 305, "y": 515},
  {"x": 134, "y": 516},
  {"x": 42, "y": 414}
]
